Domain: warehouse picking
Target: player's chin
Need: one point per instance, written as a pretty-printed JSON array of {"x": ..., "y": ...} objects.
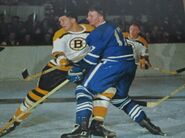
[
  {"x": 91, "y": 23},
  {"x": 66, "y": 28}
]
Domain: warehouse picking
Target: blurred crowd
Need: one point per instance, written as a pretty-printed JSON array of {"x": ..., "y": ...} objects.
[
  {"x": 161, "y": 21},
  {"x": 29, "y": 32}
]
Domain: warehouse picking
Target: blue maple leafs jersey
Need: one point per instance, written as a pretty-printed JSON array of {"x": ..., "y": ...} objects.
[{"x": 106, "y": 42}]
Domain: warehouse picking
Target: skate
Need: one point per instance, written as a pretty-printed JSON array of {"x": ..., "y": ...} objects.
[
  {"x": 98, "y": 129},
  {"x": 146, "y": 123},
  {"x": 77, "y": 132},
  {"x": 9, "y": 129}
]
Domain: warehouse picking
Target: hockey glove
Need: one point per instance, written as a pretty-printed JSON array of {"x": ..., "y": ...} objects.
[
  {"x": 144, "y": 62},
  {"x": 75, "y": 74}
]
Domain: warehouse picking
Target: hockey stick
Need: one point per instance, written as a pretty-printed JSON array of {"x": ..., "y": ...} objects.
[
  {"x": 171, "y": 72},
  {"x": 154, "y": 104},
  {"x": 28, "y": 77},
  {"x": 7, "y": 125}
]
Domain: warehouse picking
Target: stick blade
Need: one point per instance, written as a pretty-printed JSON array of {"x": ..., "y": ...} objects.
[
  {"x": 25, "y": 74},
  {"x": 180, "y": 70},
  {"x": 152, "y": 104}
]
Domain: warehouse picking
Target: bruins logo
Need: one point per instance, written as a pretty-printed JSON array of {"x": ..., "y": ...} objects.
[{"x": 77, "y": 43}]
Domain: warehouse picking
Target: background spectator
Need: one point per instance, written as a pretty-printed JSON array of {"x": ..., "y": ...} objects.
[{"x": 161, "y": 21}]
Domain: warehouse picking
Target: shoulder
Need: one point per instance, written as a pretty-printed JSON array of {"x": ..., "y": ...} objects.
[
  {"x": 87, "y": 27},
  {"x": 142, "y": 40},
  {"x": 106, "y": 27},
  {"x": 125, "y": 34},
  {"x": 59, "y": 34}
]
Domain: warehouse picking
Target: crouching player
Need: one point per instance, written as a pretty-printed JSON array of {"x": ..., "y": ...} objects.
[{"x": 68, "y": 44}]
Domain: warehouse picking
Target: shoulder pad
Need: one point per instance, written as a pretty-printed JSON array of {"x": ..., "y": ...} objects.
[
  {"x": 88, "y": 27},
  {"x": 58, "y": 34}
]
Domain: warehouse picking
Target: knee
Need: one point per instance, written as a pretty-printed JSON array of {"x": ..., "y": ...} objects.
[
  {"x": 83, "y": 93},
  {"x": 121, "y": 103}
]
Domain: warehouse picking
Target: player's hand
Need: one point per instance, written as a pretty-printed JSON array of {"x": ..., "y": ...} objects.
[
  {"x": 75, "y": 74},
  {"x": 144, "y": 62}
]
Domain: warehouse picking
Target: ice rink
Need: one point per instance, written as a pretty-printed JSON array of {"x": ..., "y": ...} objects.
[{"x": 56, "y": 115}]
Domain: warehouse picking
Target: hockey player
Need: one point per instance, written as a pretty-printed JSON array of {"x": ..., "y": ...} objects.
[
  {"x": 112, "y": 63},
  {"x": 68, "y": 44},
  {"x": 140, "y": 48},
  {"x": 122, "y": 100},
  {"x": 139, "y": 44}
]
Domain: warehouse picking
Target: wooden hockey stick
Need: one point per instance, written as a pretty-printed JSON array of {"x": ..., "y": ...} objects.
[
  {"x": 7, "y": 125},
  {"x": 156, "y": 103},
  {"x": 28, "y": 77},
  {"x": 171, "y": 72}
]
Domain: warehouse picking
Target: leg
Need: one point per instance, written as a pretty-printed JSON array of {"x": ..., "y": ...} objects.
[
  {"x": 46, "y": 83},
  {"x": 123, "y": 102},
  {"x": 101, "y": 83},
  {"x": 95, "y": 84},
  {"x": 100, "y": 107},
  {"x": 83, "y": 113},
  {"x": 137, "y": 114}
]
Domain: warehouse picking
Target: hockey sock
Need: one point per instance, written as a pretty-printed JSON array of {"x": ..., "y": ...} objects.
[
  {"x": 84, "y": 105},
  {"x": 131, "y": 108},
  {"x": 32, "y": 97},
  {"x": 101, "y": 103}
]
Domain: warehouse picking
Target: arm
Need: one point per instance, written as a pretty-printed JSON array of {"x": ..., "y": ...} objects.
[{"x": 98, "y": 40}]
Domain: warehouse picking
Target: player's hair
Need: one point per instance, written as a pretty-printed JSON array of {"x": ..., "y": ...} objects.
[
  {"x": 136, "y": 24},
  {"x": 71, "y": 15},
  {"x": 99, "y": 9}
]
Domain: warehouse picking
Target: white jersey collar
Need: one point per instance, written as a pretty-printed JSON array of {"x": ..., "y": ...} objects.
[{"x": 84, "y": 29}]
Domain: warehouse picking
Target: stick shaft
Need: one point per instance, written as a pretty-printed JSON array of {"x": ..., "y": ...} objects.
[
  {"x": 34, "y": 105},
  {"x": 165, "y": 71},
  {"x": 31, "y": 77},
  {"x": 154, "y": 104},
  {"x": 172, "y": 72}
]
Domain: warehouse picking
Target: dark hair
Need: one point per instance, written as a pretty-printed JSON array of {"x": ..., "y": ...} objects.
[
  {"x": 136, "y": 24},
  {"x": 71, "y": 15},
  {"x": 99, "y": 9}
]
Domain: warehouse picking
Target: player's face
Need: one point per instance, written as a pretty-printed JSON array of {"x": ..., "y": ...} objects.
[
  {"x": 65, "y": 22},
  {"x": 94, "y": 18},
  {"x": 134, "y": 31}
]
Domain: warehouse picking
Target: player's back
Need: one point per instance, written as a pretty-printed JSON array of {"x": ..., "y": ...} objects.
[{"x": 108, "y": 41}]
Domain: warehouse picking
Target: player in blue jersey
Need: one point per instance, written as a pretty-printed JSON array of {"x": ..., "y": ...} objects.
[
  {"x": 111, "y": 70},
  {"x": 109, "y": 63}
]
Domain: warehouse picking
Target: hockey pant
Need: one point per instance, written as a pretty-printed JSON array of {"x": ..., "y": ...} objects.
[
  {"x": 122, "y": 101},
  {"x": 96, "y": 91},
  {"x": 47, "y": 82}
]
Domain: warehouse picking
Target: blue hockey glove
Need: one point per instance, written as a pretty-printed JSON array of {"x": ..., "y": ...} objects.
[{"x": 75, "y": 74}]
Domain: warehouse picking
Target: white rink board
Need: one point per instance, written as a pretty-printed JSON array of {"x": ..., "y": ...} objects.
[{"x": 14, "y": 59}]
